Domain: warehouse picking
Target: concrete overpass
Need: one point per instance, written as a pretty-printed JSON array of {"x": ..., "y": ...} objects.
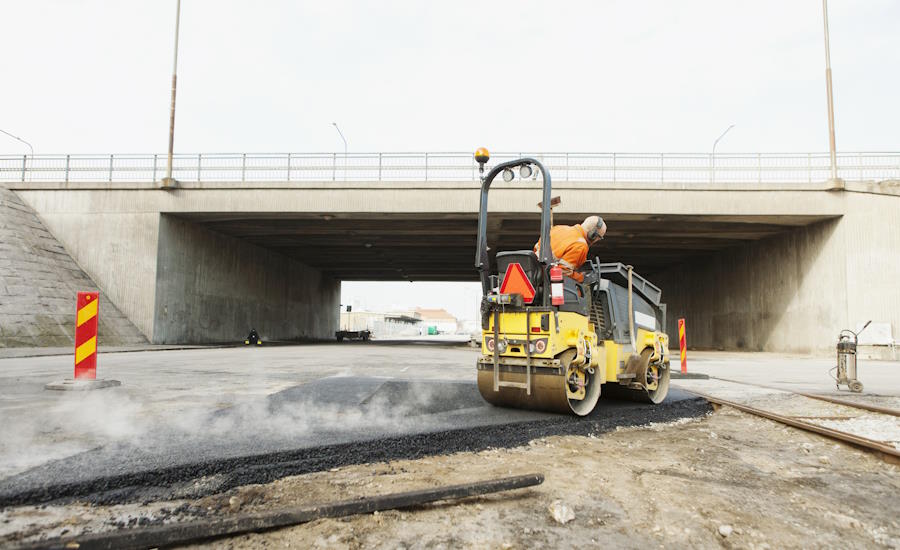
[{"x": 776, "y": 259}]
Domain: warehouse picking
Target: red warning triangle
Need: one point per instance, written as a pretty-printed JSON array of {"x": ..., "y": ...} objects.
[{"x": 516, "y": 282}]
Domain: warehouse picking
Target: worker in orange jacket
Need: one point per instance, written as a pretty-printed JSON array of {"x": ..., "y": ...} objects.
[{"x": 570, "y": 243}]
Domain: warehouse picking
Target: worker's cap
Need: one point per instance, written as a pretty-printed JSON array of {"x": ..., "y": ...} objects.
[{"x": 592, "y": 225}]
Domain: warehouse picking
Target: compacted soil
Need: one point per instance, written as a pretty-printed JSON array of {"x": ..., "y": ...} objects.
[{"x": 725, "y": 479}]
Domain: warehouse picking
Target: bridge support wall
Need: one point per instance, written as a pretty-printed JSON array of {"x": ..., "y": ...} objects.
[
  {"x": 793, "y": 292},
  {"x": 182, "y": 284},
  {"x": 215, "y": 288}
]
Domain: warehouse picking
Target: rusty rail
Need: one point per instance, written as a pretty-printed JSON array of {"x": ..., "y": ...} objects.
[
  {"x": 828, "y": 398},
  {"x": 886, "y": 452}
]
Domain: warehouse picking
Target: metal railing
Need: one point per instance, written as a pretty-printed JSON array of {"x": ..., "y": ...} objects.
[{"x": 684, "y": 168}]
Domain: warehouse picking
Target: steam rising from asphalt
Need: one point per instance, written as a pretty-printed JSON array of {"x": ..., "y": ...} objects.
[{"x": 80, "y": 421}]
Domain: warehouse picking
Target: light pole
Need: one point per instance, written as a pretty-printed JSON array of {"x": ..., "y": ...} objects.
[
  {"x": 168, "y": 182},
  {"x": 830, "y": 97},
  {"x": 345, "y": 147},
  {"x": 17, "y": 138},
  {"x": 712, "y": 171}
]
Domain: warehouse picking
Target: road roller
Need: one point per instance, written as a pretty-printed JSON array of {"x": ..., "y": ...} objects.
[{"x": 552, "y": 343}]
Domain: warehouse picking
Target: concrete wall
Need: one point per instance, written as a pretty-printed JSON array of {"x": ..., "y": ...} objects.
[
  {"x": 214, "y": 288},
  {"x": 116, "y": 247},
  {"x": 871, "y": 233},
  {"x": 794, "y": 292},
  {"x": 150, "y": 266},
  {"x": 38, "y": 284},
  {"x": 762, "y": 296}
]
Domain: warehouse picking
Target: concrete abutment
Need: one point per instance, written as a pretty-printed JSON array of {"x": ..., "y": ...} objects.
[
  {"x": 215, "y": 288},
  {"x": 179, "y": 283},
  {"x": 795, "y": 291}
]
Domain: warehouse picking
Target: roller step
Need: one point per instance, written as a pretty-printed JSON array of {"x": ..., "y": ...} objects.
[{"x": 521, "y": 385}]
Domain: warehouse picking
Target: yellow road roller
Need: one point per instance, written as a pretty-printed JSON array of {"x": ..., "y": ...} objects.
[{"x": 552, "y": 343}]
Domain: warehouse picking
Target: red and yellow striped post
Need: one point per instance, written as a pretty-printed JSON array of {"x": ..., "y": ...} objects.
[
  {"x": 87, "y": 309},
  {"x": 682, "y": 343}
]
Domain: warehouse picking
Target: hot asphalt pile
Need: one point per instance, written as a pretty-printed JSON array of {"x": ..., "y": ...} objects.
[{"x": 307, "y": 429}]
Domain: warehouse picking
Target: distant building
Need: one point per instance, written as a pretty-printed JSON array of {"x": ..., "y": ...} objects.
[
  {"x": 381, "y": 325},
  {"x": 440, "y": 319}
]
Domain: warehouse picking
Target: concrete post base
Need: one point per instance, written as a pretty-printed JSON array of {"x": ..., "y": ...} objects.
[
  {"x": 168, "y": 183},
  {"x": 836, "y": 184},
  {"x": 81, "y": 384}
]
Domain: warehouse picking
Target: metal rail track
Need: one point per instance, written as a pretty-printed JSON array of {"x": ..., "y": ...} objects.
[
  {"x": 886, "y": 452},
  {"x": 828, "y": 398}
]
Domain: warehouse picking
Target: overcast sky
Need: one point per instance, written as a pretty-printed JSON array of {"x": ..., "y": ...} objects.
[{"x": 94, "y": 77}]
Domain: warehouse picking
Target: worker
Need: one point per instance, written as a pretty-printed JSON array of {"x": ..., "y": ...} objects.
[{"x": 570, "y": 243}]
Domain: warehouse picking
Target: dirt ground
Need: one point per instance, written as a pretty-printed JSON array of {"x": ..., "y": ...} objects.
[{"x": 727, "y": 479}]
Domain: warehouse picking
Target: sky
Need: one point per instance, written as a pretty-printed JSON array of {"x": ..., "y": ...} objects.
[
  {"x": 462, "y": 300},
  {"x": 94, "y": 76},
  {"x": 600, "y": 76}
]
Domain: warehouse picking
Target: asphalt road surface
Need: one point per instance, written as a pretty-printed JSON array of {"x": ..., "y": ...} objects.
[{"x": 188, "y": 423}]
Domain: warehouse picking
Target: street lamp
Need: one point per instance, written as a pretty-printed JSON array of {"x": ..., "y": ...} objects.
[
  {"x": 345, "y": 147},
  {"x": 712, "y": 172},
  {"x": 17, "y": 138},
  {"x": 168, "y": 182},
  {"x": 830, "y": 98}
]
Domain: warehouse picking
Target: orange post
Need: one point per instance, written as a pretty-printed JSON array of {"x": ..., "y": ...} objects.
[
  {"x": 87, "y": 311},
  {"x": 683, "y": 345}
]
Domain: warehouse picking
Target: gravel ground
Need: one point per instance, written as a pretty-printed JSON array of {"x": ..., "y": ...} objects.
[{"x": 723, "y": 480}]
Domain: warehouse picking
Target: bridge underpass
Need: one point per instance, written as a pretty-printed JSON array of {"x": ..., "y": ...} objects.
[{"x": 419, "y": 247}]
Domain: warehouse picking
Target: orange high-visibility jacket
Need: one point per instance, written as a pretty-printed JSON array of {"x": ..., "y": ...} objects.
[{"x": 569, "y": 244}]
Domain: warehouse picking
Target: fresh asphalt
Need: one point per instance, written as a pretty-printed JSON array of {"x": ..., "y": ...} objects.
[{"x": 329, "y": 420}]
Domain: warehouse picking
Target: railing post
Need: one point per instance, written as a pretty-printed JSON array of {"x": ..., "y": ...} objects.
[
  {"x": 759, "y": 167},
  {"x": 426, "y": 166},
  {"x": 662, "y": 166},
  {"x": 199, "y": 162},
  {"x": 568, "y": 178},
  {"x": 24, "y": 161},
  {"x": 614, "y": 168},
  {"x": 289, "y": 167},
  {"x": 110, "y": 168},
  {"x": 243, "y": 167},
  {"x": 808, "y": 167},
  {"x": 154, "y": 168},
  {"x": 67, "y": 168},
  {"x": 379, "y": 166},
  {"x": 860, "y": 161},
  {"x": 333, "y": 166}
]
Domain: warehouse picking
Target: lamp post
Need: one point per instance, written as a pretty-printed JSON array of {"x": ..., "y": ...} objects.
[
  {"x": 168, "y": 182},
  {"x": 712, "y": 171},
  {"x": 17, "y": 138},
  {"x": 831, "y": 143},
  {"x": 345, "y": 147}
]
